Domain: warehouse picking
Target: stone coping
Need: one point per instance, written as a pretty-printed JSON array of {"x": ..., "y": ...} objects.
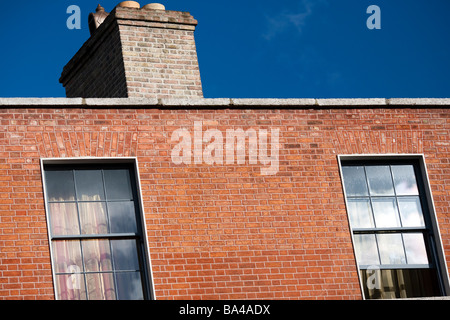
[{"x": 223, "y": 102}]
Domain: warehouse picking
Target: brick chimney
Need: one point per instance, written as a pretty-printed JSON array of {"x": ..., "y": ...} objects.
[{"x": 136, "y": 52}]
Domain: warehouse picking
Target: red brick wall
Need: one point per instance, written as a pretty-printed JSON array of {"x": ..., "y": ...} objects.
[
  {"x": 97, "y": 70},
  {"x": 221, "y": 231}
]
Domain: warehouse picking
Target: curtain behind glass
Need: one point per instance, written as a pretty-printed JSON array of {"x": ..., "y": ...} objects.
[
  {"x": 92, "y": 219},
  {"x": 399, "y": 283}
]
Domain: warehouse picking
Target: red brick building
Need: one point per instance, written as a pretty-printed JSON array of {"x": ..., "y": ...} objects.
[{"x": 136, "y": 187}]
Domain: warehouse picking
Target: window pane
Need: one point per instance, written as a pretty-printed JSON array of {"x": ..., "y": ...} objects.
[
  {"x": 125, "y": 255},
  {"x": 118, "y": 184},
  {"x": 59, "y": 185},
  {"x": 67, "y": 255},
  {"x": 97, "y": 255},
  {"x": 355, "y": 181},
  {"x": 70, "y": 287},
  {"x": 400, "y": 283},
  {"x": 100, "y": 286},
  {"x": 416, "y": 253},
  {"x": 129, "y": 286},
  {"x": 122, "y": 217},
  {"x": 405, "y": 180},
  {"x": 366, "y": 249},
  {"x": 99, "y": 203},
  {"x": 64, "y": 219},
  {"x": 385, "y": 212},
  {"x": 391, "y": 249},
  {"x": 93, "y": 217},
  {"x": 360, "y": 213},
  {"x": 89, "y": 185},
  {"x": 380, "y": 181},
  {"x": 411, "y": 212}
]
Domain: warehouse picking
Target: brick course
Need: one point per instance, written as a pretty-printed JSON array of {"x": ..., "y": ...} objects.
[{"x": 221, "y": 231}]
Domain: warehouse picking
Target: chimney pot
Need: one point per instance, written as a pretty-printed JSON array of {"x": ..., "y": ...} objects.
[
  {"x": 129, "y": 4},
  {"x": 97, "y": 18},
  {"x": 154, "y": 6},
  {"x": 99, "y": 8}
]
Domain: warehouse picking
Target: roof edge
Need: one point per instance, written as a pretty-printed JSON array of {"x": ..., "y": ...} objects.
[{"x": 223, "y": 102}]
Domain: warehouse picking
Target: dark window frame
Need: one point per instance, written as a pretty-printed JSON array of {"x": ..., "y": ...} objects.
[
  {"x": 140, "y": 236},
  {"x": 431, "y": 231}
]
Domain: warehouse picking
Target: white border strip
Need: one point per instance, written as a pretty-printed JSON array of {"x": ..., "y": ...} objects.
[{"x": 224, "y": 102}]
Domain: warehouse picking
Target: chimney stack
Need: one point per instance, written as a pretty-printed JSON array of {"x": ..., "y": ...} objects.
[{"x": 136, "y": 52}]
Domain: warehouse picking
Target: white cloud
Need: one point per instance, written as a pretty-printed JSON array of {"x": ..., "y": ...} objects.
[{"x": 284, "y": 20}]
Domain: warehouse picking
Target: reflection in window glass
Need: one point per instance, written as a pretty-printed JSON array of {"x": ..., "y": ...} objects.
[
  {"x": 416, "y": 251},
  {"x": 380, "y": 180},
  {"x": 355, "y": 181},
  {"x": 89, "y": 185},
  {"x": 385, "y": 212},
  {"x": 118, "y": 184},
  {"x": 125, "y": 256},
  {"x": 411, "y": 212},
  {"x": 129, "y": 285},
  {"x": 366, "y": 249},
  {"x": 391, "y": 248},
  {"x": 360, "y": 213},
  {"x": 60, "y": 186},
  {"x": 122, "y": 216},
  {"x": 405, "y": 180}
]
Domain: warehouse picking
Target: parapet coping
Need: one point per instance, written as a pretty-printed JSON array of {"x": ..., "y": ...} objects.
[{"x": 222, "y": 102}]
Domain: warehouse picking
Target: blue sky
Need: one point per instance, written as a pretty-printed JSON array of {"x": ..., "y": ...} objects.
[{"x": 257, "y": 48}]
